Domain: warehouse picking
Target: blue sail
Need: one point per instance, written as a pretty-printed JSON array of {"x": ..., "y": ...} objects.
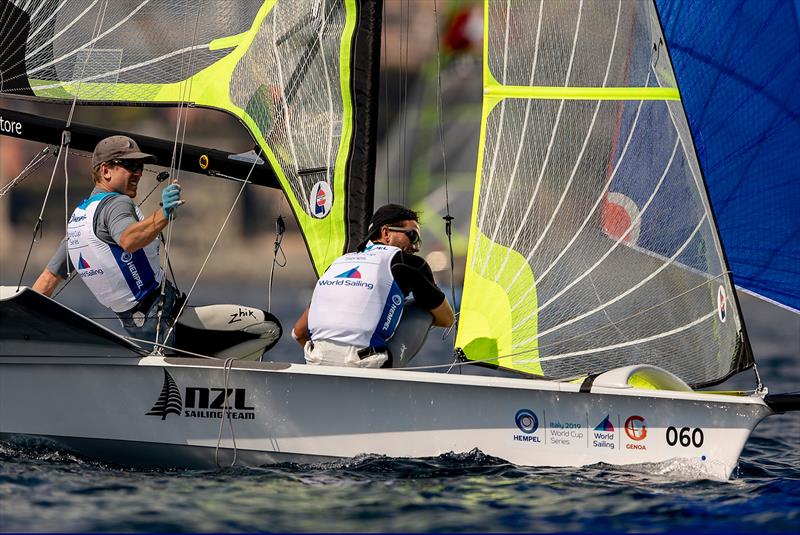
[{"x": 738, "y": 68}]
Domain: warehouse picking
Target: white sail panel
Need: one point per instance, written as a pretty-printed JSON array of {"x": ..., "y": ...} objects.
[
  {"x": 576, "y": 43},
  {"x": 590, "y": 216}
]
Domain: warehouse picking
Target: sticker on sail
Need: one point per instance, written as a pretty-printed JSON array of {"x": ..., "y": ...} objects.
[
  {"x": 722, "y": 304},
  {"x": 621, "y": 217},
  {"x": 321, "y": 199},
  {"x": 528, "y": 423}
]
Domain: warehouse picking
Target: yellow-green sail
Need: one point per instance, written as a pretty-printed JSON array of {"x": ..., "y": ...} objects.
[
  {"x": 591, "y": 244},
  {"x": 283, "y": 67}
]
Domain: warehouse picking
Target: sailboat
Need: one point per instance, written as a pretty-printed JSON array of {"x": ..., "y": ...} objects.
[{"x": 594, "y": 271}]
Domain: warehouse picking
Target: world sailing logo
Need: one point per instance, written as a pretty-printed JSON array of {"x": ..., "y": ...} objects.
[
  {"x": 83, "y": 264},
  {"x": 350, "y": 278},
  {"x": 350, "y": 274},
  {"x": 604, "y": 434},
  {"x": 169, "y": 401}
]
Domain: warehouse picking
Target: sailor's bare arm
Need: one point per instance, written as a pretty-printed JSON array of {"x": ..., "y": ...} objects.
[
  {"x": 443, "y": 315},
  {"x": 47, "y": 283},
  {"x": 300, "y": 330}
]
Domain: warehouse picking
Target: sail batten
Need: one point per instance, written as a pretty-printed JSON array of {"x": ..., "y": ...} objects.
[{"x": 592, "y": 244}]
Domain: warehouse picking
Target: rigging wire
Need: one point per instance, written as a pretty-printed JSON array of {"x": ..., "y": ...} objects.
[
  {"x": 245, "y": 182},
  {"x": 448, "y": 218},
  {"x": 385, "y": 76},
  {"x": 226, "y": 374},
  {"x": 405, "y": 70},
  {"x": 37, "y": 229},
  {"x": 32, "y": 166},
  {"x": 175, "y": 162}
]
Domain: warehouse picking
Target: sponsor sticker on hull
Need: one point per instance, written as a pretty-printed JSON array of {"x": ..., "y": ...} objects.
[
  {"x": 636, "y": 433},
  {"x": 201, "y": 402},
  {"x": 566, "y": 433},
  {"x": 527, "y": 422}
]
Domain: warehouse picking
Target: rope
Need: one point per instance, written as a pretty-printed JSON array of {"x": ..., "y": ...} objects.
[
  {"x": 177, "y": 157},
  {"x": 245, "y": 182},
  {"x": 226, "y": 373},
  {"x": 280, "y": 228},
  {"x": 32, "y": 166},
  {"x": 447, "y": 218}
]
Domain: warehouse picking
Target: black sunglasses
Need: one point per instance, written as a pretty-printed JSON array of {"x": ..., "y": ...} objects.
[
  {"x": 412, "y": 234},
  {"x": 130, "y": 165}
]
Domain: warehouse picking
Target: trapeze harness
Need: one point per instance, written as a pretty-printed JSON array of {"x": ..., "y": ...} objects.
[{"x": 118, "y": 279}]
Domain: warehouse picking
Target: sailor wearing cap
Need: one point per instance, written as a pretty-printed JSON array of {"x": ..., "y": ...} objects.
[
  {"x": 110, "y": 243},
  {"x": 360, "y": 313},
  {"x": 113, "y": 247}
]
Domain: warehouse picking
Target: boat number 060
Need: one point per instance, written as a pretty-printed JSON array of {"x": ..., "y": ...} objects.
[{"x": 685, "y": 437}]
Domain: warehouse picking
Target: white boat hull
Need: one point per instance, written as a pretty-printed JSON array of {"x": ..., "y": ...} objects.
[{"x": 108, "y": 408}]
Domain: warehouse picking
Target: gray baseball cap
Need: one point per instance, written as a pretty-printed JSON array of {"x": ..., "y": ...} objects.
[{"x": 118, "y": 148}]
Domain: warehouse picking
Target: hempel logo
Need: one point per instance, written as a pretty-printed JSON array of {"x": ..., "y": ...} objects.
[{"x": 201, "y": 402}]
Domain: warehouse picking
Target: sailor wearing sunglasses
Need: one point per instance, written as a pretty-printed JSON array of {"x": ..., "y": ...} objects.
[
  {"x": 110, "y": 243},
  {"x": 361, "y": 313},
  {"x": 113, "y": 248}
]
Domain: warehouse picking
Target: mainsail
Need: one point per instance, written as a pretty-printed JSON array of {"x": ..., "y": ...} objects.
[
  {"x": 300, "y": 75},
  {"x": 592, "y": 245}
]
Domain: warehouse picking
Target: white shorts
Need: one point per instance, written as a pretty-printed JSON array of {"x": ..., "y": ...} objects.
[{"x": 327, "y": 353}]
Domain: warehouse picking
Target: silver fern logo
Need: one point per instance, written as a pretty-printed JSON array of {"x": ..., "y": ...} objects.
[{"x": 169, "y": 401}]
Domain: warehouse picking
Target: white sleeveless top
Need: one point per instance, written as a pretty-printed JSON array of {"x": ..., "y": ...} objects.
[
  {"x": 119, "y": 280},
  {"x": 357, "y": 301}
]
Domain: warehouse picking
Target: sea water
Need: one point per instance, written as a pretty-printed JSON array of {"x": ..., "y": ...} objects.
[{"x": 51, "y": 490}]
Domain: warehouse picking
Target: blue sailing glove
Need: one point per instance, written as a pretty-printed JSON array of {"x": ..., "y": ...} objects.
[{"x": 170, "y": 199}]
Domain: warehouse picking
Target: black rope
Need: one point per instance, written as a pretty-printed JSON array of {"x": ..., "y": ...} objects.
[
  {"x": 280, "y": 228},
  {"x": 36, "y": 229}
]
